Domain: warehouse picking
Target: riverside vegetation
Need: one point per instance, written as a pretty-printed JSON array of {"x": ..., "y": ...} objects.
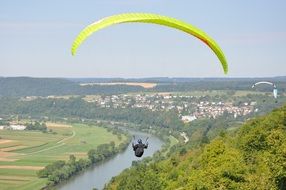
[{"x": 252, "y": 157}]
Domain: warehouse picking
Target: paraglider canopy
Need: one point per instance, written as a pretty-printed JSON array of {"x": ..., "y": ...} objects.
[
  {"x": 275, "y": 91},
  {"x": 264, "y": 82},
  {"x": 153, "y": 19}
]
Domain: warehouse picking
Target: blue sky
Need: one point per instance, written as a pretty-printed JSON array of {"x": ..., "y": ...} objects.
[{"x": 36, "y": 38}]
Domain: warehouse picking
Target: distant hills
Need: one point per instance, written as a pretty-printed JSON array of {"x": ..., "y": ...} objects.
[
  {"x": 27, "y": 86},
  {"x": 172, "y": 80}
]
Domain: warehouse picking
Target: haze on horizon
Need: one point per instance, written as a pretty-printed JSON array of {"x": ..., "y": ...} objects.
[{"x": 36, "y": 38}]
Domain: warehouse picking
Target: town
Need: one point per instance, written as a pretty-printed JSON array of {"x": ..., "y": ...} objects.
[{"x": 189, "y": 108}]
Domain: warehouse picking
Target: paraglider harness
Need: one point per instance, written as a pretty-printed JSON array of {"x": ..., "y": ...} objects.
[{"x": 139, "y": 147}]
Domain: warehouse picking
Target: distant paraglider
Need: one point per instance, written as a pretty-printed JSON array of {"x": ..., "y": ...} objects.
[
  {"x": 275, "y": 91},
  {"x": 264, "y": 82},
  {"x": 153, "y": 19}
]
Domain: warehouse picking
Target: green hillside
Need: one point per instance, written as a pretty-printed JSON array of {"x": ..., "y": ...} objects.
[
  {"x": 26, "y": 86},
  {"x": 253, "y": 157}
]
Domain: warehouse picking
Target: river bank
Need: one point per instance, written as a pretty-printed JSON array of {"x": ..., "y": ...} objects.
[{"x": 101, "y": 173}]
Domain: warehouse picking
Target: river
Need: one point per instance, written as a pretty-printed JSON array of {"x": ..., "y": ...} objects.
[{"x": 100, "y": 174}]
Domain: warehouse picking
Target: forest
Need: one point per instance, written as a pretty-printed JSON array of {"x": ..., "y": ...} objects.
[
  {"x": 26, "y": 86},
  {"x": 252, "y": 157},
  {"x": 78, "y": 109}
]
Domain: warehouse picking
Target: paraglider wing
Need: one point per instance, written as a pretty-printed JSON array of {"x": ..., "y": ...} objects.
[
  {"x": 275, "y": 92},
  {"x": 264, "y": 82},
  {"x": 154, "y": 19}
]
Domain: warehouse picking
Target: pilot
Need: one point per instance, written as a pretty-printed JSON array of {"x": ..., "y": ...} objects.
[{"x": 139, "y": 148}]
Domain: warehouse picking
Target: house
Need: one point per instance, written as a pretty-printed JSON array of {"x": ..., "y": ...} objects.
[
  {"x": 188, "y": 118},
  {"x": 17, "y": 127}
]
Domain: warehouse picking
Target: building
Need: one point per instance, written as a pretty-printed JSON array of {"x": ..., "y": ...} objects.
[
  {"x": 17, "y": 127},
  {"x": 188, "y": 118}
]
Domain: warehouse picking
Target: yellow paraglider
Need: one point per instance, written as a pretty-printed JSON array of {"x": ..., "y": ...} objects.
[{"x": 153, "y": 19}]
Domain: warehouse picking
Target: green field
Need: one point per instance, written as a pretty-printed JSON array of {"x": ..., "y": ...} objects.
[
  {"x": 23, "y": 153},
  {"x": 197, "y": 93},
  {"x": 221, "y": 92},
  {"x": 173, "y": 141}
]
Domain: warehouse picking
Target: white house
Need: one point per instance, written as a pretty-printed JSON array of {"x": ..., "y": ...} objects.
[
  {"x": 188, "y": 118},
  {"x": 17, "y": 127}
]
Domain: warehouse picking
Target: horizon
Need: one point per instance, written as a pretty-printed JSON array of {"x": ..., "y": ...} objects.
[{"x": 143, "y": 77}]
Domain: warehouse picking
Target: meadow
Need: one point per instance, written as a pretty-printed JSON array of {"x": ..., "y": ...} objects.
[
  {"x": 211, "y": 93},
  {"x": 23, "y": 153},
  {"x": 142, "y": 84}
]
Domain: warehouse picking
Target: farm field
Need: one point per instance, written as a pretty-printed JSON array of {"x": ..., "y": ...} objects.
[
  {"x": 219, "y": 93},
  {"x": 23, "y": 153},
  {"x": 144, "y": 85},
  {"x": 237, "y": 93}
]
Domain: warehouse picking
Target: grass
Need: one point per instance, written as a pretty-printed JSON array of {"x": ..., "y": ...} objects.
[
  {"x": 197, "y": 93},
  {"x": 142, "y": 84},
  {"x": 244, "y": 93},
  {"x": 173, "y": 141},
  {"x": 32, "y": 148},
  {"x": 238, "y": 93},
  {"x": 28, "y": 184}
]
